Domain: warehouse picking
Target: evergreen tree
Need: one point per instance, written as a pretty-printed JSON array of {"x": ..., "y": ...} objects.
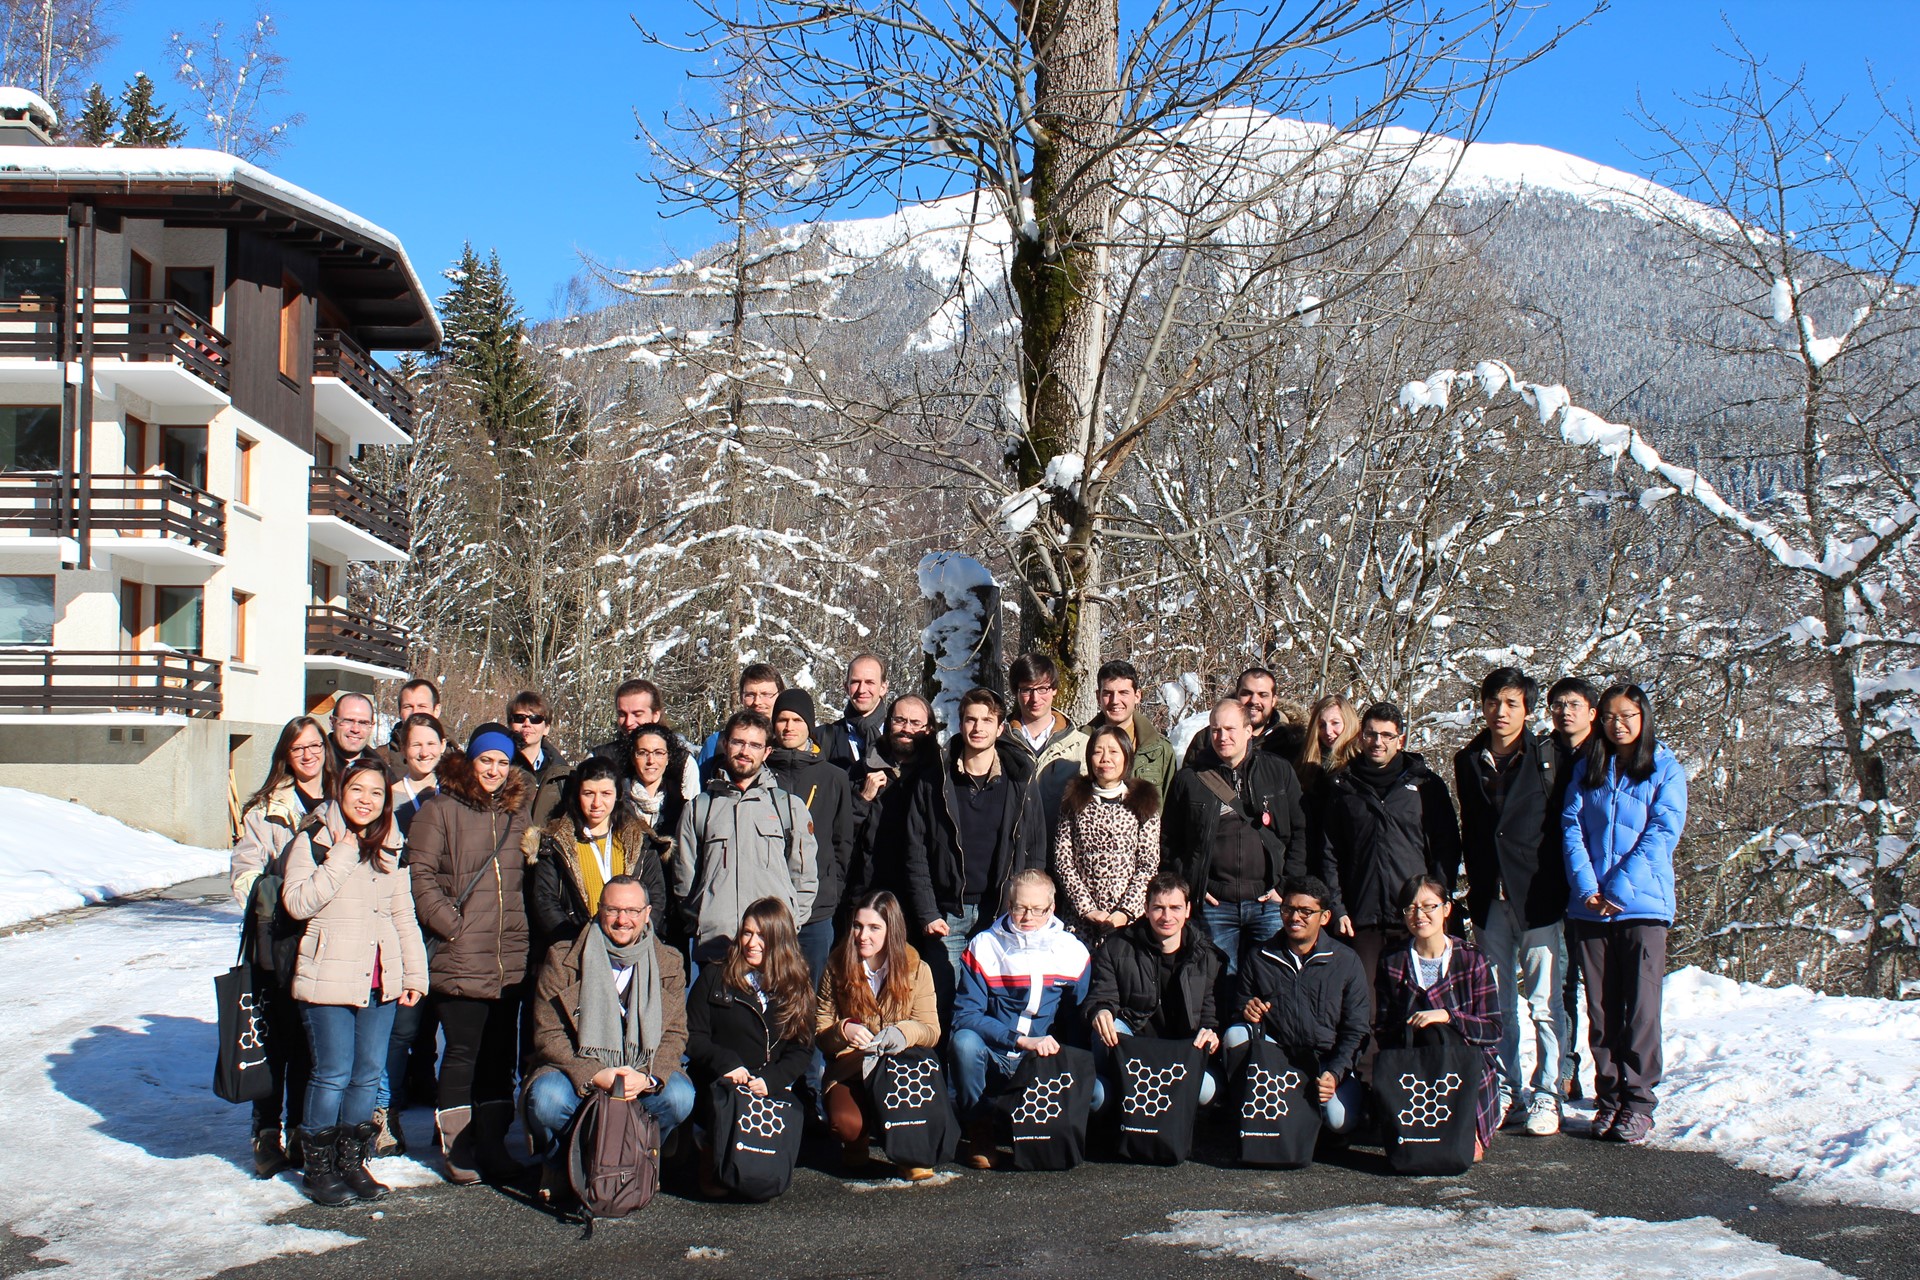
[
  {"x": 147, "y": 123},
  {"x": 99, "y": 124},
  {"x": 486, "y": 349}
]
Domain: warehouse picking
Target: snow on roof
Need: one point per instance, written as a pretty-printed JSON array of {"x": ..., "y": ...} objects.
[
  {"x": 138, "y": 165},
  {"x": 17, "y": 101}
]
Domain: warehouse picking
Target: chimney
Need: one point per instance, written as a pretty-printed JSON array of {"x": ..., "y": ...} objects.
[{"x": 26, "y": 119}]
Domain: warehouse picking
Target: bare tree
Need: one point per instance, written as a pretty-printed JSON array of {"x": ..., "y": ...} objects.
[
  {"x": 51, "y": 45},
  {"x": 236, "y": 86}
]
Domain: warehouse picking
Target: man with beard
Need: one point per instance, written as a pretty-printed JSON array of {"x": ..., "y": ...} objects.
[
  {"x": 882, "y": 787},
  {"x": 847, "y": 740},
  {"x": 1259, "y": 692}
]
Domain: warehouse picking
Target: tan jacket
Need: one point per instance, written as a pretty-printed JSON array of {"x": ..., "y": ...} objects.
[
  {"x": 358, "y": 913},
  {"x": 556, "y": 1015},
  {"x": 921, "y": 1025},
  {"x": 265, "y": 831}
]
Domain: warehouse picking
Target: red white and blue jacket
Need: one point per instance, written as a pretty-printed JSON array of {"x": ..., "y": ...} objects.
[{"x": 1014, "y": 983}]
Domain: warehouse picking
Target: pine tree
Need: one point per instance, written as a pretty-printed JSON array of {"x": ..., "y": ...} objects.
[
  {"x": 486, "y": 348},
  {"x": 99, "y": 124},
  {"x": 147, "y": 123}
]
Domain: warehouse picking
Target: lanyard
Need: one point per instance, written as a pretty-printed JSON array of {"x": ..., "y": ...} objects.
[{"x": 603, "y": 856}]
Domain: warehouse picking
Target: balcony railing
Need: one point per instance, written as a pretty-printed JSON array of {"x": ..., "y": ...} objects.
[
  {"x": 156, "y": 681},
  {"x": 333, "y": 632},
  {"x": 139, "y": 329},
  {"x": 335, "y": 355},
  {"x": 334, "y": 491},
  {"x": 152, "y": 506}
]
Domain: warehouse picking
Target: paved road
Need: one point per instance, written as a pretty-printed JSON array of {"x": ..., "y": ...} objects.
[{"x": 1065, "y": 1224}]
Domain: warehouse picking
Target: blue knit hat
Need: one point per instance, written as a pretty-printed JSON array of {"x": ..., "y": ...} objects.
[{"x": 492, "y": 737}]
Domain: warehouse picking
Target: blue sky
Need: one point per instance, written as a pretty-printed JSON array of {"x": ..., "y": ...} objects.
[{"x": 513, "y": 125}]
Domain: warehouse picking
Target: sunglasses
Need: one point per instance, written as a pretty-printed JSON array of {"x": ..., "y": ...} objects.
[{"x": 526, "y": 717}]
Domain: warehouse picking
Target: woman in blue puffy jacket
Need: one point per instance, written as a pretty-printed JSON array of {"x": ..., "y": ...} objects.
[{"x": 1620, "y": 827}]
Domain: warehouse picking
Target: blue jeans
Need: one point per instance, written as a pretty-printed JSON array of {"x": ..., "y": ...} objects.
[
  {"x": 551, "y": 1101},
  {"x": 1108, "y": 1062},
  {"x": 1341, "y": 1112},
  {"x": 816, "y": 944},
  {"x": 1526, "y": 965},
  {"x": 1236, "y": 926},
  {"x": 980, "y": 1072},
  {"x": 393, "y": 1081},
  {"x": 349, "y": 1056},
  {"x": 944, "y": 955}
]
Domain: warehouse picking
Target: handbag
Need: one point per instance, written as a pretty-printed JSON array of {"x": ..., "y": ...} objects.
[
  {"x": 757, "y": 1139},
  {"x": 1279, "y": 1108},
  {"x": 240, "y": 1069},
  {"x": 1047, "y": 1104},
  {"x": 917, "y": 1125},
  {"x": 1427, "y": 1095},
  {"x": 1159, "y": 1097}
]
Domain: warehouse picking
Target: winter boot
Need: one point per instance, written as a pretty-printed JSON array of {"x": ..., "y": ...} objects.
[
  {"x": 351, "y": 1149},
  {"x": 322, "y": 1179},
  {"x": 456, "y": 1144},
  {"x": 978, "y": 1150},
  {"x": 382, "y": 1139},
  {"x": 269, "y": 1157},
  {"x": 491, "y": 1120},
  {"x": 396, "y": 1134}
]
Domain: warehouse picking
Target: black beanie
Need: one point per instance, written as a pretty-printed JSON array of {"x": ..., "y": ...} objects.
[{"x": 798, "y": 701}]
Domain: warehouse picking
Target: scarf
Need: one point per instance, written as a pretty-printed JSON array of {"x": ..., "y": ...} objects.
[
  {"x": 605, "y": 1034},
  {"x": 868, "y": 728},
  {"x": 1117, "y": 791},
  {"x": 1379, "y": 779},
  {"x": 649, "y": 806}
]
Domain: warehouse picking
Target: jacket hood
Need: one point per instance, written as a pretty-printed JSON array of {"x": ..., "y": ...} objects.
[
  {"x": 563, "y": 834},
  {"x": 458, "y": 780},
  {"x": 794, "y": 757},
  {"x": 722, "y": 781},
  {"x": 1052, "y": 936}
]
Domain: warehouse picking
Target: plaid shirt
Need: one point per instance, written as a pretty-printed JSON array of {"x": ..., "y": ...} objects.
[{"x": 1467, "y": 991}]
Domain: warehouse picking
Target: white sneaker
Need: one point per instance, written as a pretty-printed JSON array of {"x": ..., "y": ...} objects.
[{"x": 1543, "y": 1117}]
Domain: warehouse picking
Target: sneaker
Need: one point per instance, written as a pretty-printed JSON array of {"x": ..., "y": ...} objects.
[
  {"x": 1632, "y": 1128},
  {"x": 1543, "y": 1116},
  {"x": 1603, "y": 1117},
  {"x": 1512, "y": 1113}
]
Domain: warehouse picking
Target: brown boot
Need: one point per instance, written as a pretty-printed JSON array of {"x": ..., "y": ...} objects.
[
  {"x": 977, "y": 1151},
  {"x": 456, "y": 1144},
  {"x": 709, "y": 1181},
  {"x": 856, "y": 1157},
  {"x": 491, "y": 1120}
]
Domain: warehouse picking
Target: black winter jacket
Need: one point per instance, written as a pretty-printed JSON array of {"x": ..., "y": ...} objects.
[
  {"x": 1269, "y": 796},
  {"x": 1367, "y": 847},
  {"x": 1517, "y": 845},
  {"x": 1126, "y": 983},
  {"x": 727, "y": 1029},
  {"x": 545, "y": 785},
  {"x": 824, "y": 789},
  {"x": 936, "y": 880},
  {"x": 880, "y": 825},
  {"x": 836, "y": 738},
  {"x": 556, "y": 894},
  {"x": 1322, "y": 1011}
]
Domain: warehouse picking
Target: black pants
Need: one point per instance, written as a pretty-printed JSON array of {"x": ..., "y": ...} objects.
[
  {"x": 289, "y": 1060},
  {"x": 1623, "y": 965},
  {"x": 1369, "y": 943},
  {"x": 483, "y": 1043}
]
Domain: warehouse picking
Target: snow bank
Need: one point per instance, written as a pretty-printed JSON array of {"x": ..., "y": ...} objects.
[
  {"x": 1819, "y": 1090},
  {"x": 1377, "y": 1242},
  {"x": 55, "y": 856},
  {"x": 959, "y": 585},
  {"x": 117, "y": 1153}
]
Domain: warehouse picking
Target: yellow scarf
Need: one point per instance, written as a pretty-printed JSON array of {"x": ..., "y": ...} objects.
[{"x": 588, "y": 854}]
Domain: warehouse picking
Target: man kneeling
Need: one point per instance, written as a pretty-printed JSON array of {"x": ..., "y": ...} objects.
[
  {"x": 1156, "y": 978},
  {"x": 610, "y": 1008},
  {"x": 1309, "y": 994},
  {"x": 1016, "y": 981}
]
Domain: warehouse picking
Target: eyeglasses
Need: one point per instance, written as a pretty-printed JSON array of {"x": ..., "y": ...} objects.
[
  {"x": 1379, "y": 735},
  {"x": 1028, "y": 912},
  {"x": 1299, "y": 913},
  {"x": 655, "y": 754},
  {"x": 1425, "y": 912},
  {"x": 624, "y": 913},
  {"x": 525, "y": 717},
  {"x": 1567, "y": 706},
  {"x": 1625, "y": 717},
  {"x": 340, "y": 722},
  {"x": 313, "y": 749},
  {"x": 1034, "y": 690}
]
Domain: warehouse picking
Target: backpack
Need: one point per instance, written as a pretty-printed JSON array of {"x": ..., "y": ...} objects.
[{"x": 613, "y": 1155}]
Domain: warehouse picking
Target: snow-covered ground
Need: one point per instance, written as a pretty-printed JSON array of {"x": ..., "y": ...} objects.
[{"x": 56, "y": 855}]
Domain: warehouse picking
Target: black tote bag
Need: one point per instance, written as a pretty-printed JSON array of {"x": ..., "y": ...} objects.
[
  {"x": 917, "y": 1125},
  {"x": 1159, "y": 1096},
  {"x": 240, "y": 1070},
  {"x": 1279, "y": 1108},
  {"x": 757, "y": 1139},
  {"x": 1427, "y": 1095},
  {"x": 1046, "y": 1105}
]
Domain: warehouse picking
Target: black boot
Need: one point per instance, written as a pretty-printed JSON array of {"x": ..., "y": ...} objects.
[
  {"x": 395, "y": 1132},
  {"x": 269, "y": 1157},
  {"x": 322, "y": 1180},
  {"x": 351, "y": 1149}
]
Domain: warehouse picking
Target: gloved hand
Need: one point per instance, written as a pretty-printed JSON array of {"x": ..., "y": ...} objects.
[{"x": 891, "y": 1040}]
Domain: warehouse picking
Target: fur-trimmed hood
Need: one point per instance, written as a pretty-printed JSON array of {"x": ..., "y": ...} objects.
[
  {"x": 633, "y": 833},
  {"x": 459, "y": 782},
  {"x": 1142, "y": 798}
]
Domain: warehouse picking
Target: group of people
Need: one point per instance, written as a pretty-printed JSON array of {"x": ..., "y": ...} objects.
[{"x": 790, "y": 900}]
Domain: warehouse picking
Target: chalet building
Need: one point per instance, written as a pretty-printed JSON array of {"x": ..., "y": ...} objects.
[{"x": 184, "y": 386}]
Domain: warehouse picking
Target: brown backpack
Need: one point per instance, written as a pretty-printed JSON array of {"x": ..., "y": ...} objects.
[{"x": 613, "y": 1156}]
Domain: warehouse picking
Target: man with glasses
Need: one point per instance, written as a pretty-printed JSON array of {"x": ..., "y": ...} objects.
[
  {"x": 760, "y": 685},
  {"x": 1056, "y": 747},
  {"x": 1386, "y": 818},
  {"x": 351, "y": 726},
  {"x": 1310, "y": 995},
  {"x": 845, "y": 742},
  {"x": 530, "y": 719},
  {"x": 883, "y": 787}
]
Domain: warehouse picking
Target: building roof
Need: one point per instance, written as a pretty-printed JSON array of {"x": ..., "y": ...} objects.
[{"x": 364, "y": 270}]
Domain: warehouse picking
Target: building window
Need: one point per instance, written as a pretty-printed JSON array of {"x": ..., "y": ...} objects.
[
  {"x": 192, "y": 288},
  {"x": 177, "y": 619},
  {"x": 133, "y": 615},
  {"x": 26, "y": 609},
  {"x": 291, "y": 345},
  {"x": 240, "y": 602},
  {"x": 243, "y": 470},
  {"x": 34, "y": 269},
  {"x": 183, "y": 453},
  {"x": 30, "y": 437}
]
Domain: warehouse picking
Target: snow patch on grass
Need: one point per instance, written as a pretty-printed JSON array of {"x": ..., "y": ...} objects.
[{"x": 56, "y": 855}]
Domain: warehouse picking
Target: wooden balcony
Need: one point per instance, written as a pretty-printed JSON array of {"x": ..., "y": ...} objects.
[
  {"x": 378, "y": 410},
  {"x": 148, "y": 681},
  {"x": 30, "y": 330},
  {"x": 354, "y": 641},
  {"x": 155, "y": 517},
  {"x": 354, "y": 519},
  {"x": 155, "y": 346}
]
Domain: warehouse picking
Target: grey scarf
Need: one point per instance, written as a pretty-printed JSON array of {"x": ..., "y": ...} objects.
[{"x": 618, "y": 1041}]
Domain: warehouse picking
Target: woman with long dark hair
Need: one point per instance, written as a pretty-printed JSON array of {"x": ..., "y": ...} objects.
[
  {"x": 750, "y": 1017},
  {"x": 297, "y": 783},
  {"x": 1620, "y": 827},
  {"x": 594, "y": 838},
  {"x": 875, "y": 985},
  {"x": 361, "y": 957},
  {"x": 1106, "y": 845},
  {"x": 422, "y": 741}
]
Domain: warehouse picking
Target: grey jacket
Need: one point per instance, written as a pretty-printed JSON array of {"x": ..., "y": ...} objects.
[{"x": 736, "y": 847}]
